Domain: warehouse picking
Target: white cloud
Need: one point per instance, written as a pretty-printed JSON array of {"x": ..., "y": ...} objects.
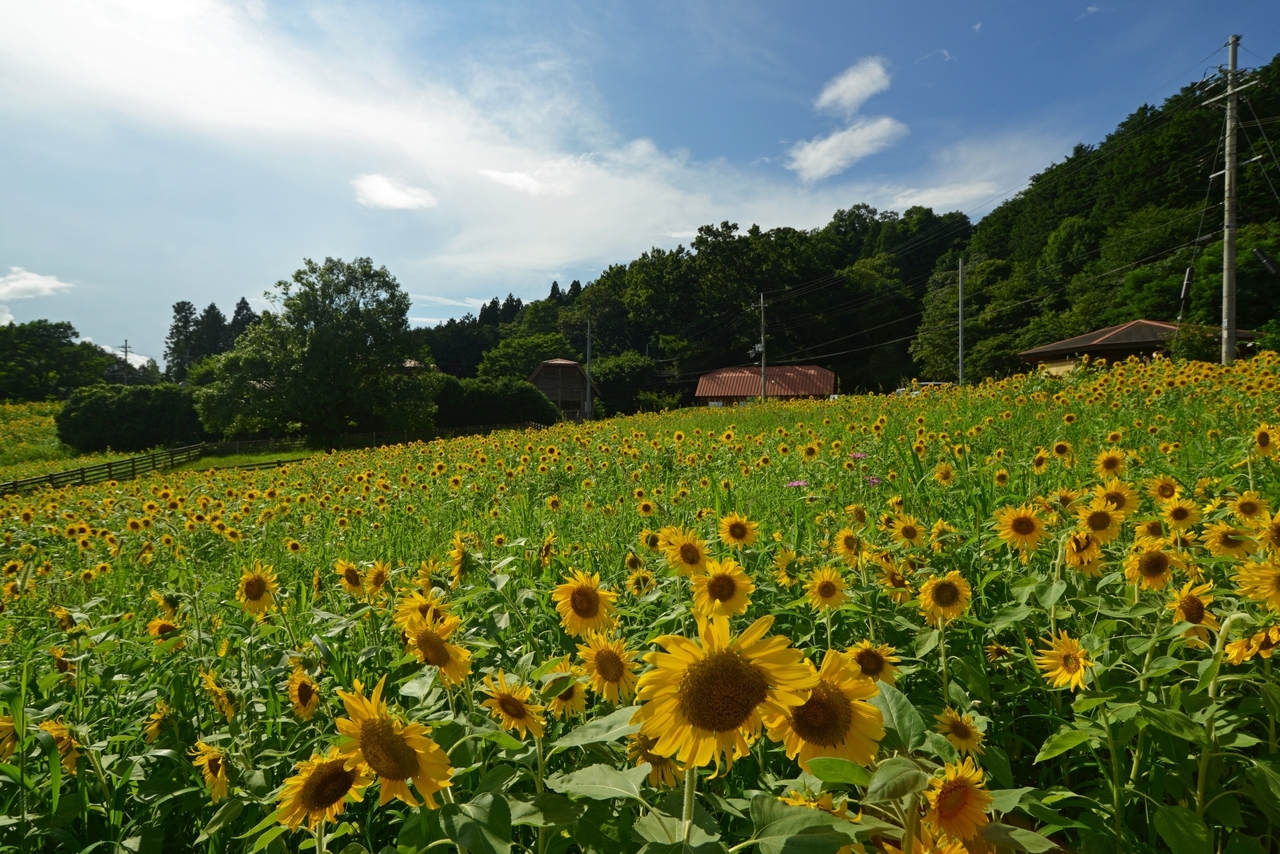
[
  {"x": 850, "y": 90},
  {"x": 379, "y": 191},
  {"x": 815, "y": 159},
  {"x": 466, "y": 302},
  {"x": 977, "y": 28},
  {"x": 518, "y": 181},
  {"x": 943, "y": 52},
  {"x": 23, "y": 284},
  {"x": 136, "y": 359},
  {"x": 947, "y": 196}
]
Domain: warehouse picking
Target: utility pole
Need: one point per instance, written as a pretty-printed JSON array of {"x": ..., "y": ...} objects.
[
  {"x": 126, "y": 361},
  {"x": 1229, "y": 214},
  {"x": 590, "y": 407},
  {"x": 764, "y": 385},
  {"x": 960, "y": 301}
]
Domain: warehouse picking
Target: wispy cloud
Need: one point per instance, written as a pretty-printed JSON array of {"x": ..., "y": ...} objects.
[
  {"x": 822, "y": 157},
  {"x": 943, "y": 52},
  {"x": 830, "y": 155},
  {"x": 24, "y": 284},
  {"x": 379, "y": 191},
  {"x": 851, "y": 89},
  {"x": 977, "y": 28},
  {"x": 136, "y": 359},
  {"x": 466, "y": 302}
]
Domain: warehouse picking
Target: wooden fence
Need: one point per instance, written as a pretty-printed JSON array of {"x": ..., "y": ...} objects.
[{"x": 132, "y": 467}]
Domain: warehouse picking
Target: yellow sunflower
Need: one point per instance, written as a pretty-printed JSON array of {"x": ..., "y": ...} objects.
[
  {"x": 1264, "y": 440},
  {"x": 958, "y": 801},
  {"x": 1163, "y": 488},
  {"x": 395, "y": 751},
  {"x": 1020, "y": 528},
  {"x": 1191, "y": 605},
  {"x": 640, "y": 582},
  {"x": 898, "y": 586},
  {"x": 961, "y": 731},
  {"x": 944, "y": 598},
  {"x": 319, "y": 791},
  {"x": 213, "y": 767},
  {"x": 1100, "y": 521},
  {"x": 826, "y": 589},
  {"x": 848, "y": 545},
  {"x": 304, "y": 694},
  {"x": 723, "y": 590},
  {"x": 583, "y": 606},
  {"x": 875, "y": 662},
  {"x": 663, "y": 772},
  {"x": 163, "y": 629},
  {"x": 508, "y": 703},
  {"x": 257, "y": 589},
  {"x": 427, "y": 604},
  {"x": 155, "y": 725},
  {"x": 1119, "y": 495},
  {"x": 1223, "y": 539},
  {"x": 907, "y": 530},
  {"x": 460, "y": 559},
  {"x": 376, "y": 577},
  {"x": 1260, "y": 582},
  {"x": 352, "y": 580},
  {"x": 704, "y": 698},
  {"x": 573, "y": 699},
  {"x": 737, "y": 531},
  {"x": 1249, "y": 508},
  {"x": 9, "y": 737},
  {"x": 685, "y": 551},
  {"x": 1151, "y": 567},
  {"x": 924, "y": 842},
  {"x": 610, "y": 666},
  {"x": 428, "y": 640},
  {"x": 835, "y": 720},
  {"x": 1109, "y": 463},
  {"x": 1064, "y": 663},
  {"x": 782, "y": 568}
]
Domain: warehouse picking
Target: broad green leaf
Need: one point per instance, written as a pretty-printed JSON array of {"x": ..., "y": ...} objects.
[
  {"x": 1086, "y": 702},
  {"x": 900, "y": 716},
  {"x": 1005, "y": 800},
  {"x": 609, "y": 728},
  {"x": 996, "y": 761},
  {"x": 419, "y": 686},
  {"x": 502, "y": 739},
  {"x": 1175, "y": 723},
  {"x": 482, "y": 826},
  {"x": 941, "y": 748},
  {"x": 1061, "y": 742},
  {"x": 1009, "y": 615},
  {"x": 229, "y": 812},
  {"x": 1183, "y": 831},
  {"x": 268, "y": 836},
  {"x": 895, "y": 778},
  {"x": 664, "y": 829},
  {"x": 785, "y": 829},
  {"x": 545, "y": 810},
  {"x": 1271, "y": 699},
  {"x": 1017, "y": 838},
  {"x": 602, "y": 782},
  {"x": 831, "y": 769},
  {"x": 1266, "y": 790},
  {"x": 1049, "y": 594}
]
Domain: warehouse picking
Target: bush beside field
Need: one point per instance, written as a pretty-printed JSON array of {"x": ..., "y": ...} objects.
[{"x": 1037, "y": 612}]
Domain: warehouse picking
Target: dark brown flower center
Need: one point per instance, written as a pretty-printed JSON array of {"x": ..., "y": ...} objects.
[
  {"x": 1023, "y": 525},
  {"x": 826, "y": 589},
  {"x": 909, "y": 532},
  {"x": 960, "y": 729},
  {"x": 1153, "y": 564},
  {"x": 254, "y": 588},
  {"x": 567, "y": 695},
  {"x": 824, "y": 718},
  {"x": 306, "y": 691},
  {"x": 1179, "y": 513},
  {"x": 946, "y": 593},
  {"x": 1192, "y": 609},
  {"x": 737, "y": 531},
  {"x": 1070, "y": 662},
  {"x": 870, "y": 661},
  {"x": 690, "y": 554},
  {"x": 1099, "y": 520},
  {"x": 1166, "y": 490},
  {"x": 952, "y": 798},
  {"x": 609, "y": 665},
  {"x": 720, "y": 692},
  {"x": 214, "y": 765},
  {"x": 386, "y": 750},
  {"x": 351, "y": 577},
  {"x": 433, "y": 648},
  {"x": 512, "y": 707},
  {"x": 721, "y": 588},
  {"x": 1264, "y": 439},
  {"x": 328, "y": 783},
  {"x": 1117, "y": 499},
  {"x": 585, "y": 602},
  {"x": 1246, "y": 508}
]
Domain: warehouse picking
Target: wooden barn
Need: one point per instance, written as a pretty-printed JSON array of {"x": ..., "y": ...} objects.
[
  {"x": 1141, "y": 338},
  {"x": 565, "y": 383},
  {"x": 729, "y": 386}
]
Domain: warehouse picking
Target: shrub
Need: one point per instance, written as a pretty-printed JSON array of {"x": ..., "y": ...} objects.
[
  {"x": 128, "y": 418},
  {"x": 476, "y": 402}
]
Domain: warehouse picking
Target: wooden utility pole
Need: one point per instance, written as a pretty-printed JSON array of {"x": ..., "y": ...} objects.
[
  {"x": 960, "y": 300},
  {"x": 590, "y": 408},
  {"x": 1229, "y": 214},
  {"x": 764, "y": 385}
]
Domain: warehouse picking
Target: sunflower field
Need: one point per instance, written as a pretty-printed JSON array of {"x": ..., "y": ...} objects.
[{"x": 1029, "y": 615}]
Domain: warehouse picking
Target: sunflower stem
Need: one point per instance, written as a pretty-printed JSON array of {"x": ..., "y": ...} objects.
[
  {"x": 1117, "y": 788},
  {"x": 690, "y": 790},
  {"x": 942, "y": 651},
  {"x": 319, "y": 832}
]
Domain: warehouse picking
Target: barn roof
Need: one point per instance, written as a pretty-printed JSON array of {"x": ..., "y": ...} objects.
[
  {"x": 1134, "y": 335},
  {"x": 784, "y": 381}
]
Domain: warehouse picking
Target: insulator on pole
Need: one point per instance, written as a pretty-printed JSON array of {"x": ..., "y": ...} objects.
[
  {"x": 1186, "y": 283},
  {"x": 1267, "y": 262}
]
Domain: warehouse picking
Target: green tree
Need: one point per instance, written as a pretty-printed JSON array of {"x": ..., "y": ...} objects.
[
  {"x": 621, "y": 379},
  {"x": 42, "y": 359},
  {"x": 518, "y": 357},
  {"x": 335, "y": 357}
]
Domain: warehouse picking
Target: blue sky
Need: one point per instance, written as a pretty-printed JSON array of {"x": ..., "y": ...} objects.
[{"x": 200, "y": 149}]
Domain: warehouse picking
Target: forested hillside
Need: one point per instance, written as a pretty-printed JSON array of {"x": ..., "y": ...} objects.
[{"x": 1102, "y": 237}]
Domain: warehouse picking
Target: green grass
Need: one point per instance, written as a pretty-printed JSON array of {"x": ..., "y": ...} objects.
[{"x": 206, "y": 463}]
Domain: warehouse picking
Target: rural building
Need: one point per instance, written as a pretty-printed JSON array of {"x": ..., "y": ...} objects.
[
  {"x": 565, "y": 383},
  {"x": 728, "y": 386},
  {"x": 1141, "y": 338}
]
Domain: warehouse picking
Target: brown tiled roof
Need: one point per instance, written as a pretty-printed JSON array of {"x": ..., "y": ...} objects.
[
  {"x": 1134, "y": 335},
  {"x": 784, "y": 381}
]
